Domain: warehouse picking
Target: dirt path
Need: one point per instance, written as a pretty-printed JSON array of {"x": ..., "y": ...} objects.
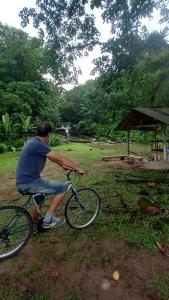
[{"x": 62, "y": 276}]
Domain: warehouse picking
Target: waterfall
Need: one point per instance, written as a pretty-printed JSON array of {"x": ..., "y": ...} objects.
[{"x": 67, "y": 129}]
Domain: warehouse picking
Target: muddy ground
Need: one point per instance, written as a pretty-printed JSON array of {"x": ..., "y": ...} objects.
[{"x": 82, "y": 269}]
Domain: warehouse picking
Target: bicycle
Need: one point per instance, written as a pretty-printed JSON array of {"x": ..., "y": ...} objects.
[{"x": 16, "y": 224}]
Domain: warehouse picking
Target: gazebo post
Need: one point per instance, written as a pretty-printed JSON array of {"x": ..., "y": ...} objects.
[
  {"x": 128, "y": 142},
  {"x": 164, "y": 144}
]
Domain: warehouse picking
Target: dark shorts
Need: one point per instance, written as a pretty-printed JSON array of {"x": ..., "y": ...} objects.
[{"x": 47, "y": 187}]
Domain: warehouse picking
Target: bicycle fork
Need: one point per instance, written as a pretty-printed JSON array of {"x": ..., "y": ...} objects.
[{"x": 77, "y": 198}]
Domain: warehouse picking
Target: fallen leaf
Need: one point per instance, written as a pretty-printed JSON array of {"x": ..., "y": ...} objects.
[
  {"x": 106, "y": 284},
  {"x": 116, "y": 275},
  {"x": 22, "y": 288},
  {"x": 55, "y": 274},
  {"x": 151, "y": 184},
  {"x": 154, "y": 209},
  {"x": 160, "y": 247}
]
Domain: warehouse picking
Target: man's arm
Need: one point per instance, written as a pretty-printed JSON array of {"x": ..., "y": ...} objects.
[{"x": 64, "y": 162}]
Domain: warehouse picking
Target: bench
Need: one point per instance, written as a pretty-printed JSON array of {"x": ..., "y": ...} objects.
[
  {"x": 134, "y": 159},
  {"x": 114, "y": 157}
]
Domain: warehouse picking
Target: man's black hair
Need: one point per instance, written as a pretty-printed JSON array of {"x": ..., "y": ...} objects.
[{"x": 43, "y": 129}]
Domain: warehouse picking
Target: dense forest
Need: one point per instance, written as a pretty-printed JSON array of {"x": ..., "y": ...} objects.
[{"x": 133, "y": 67}]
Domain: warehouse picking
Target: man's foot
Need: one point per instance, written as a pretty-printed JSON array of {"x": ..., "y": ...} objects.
[{"x": 55, "y": 222}]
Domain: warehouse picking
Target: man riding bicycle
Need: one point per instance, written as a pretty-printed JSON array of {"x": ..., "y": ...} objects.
[{"x": 31, "y": 163}]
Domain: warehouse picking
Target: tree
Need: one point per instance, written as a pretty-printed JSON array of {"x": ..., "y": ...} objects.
[
  {"x": 26, "y": 125},
  {"x": 21, "y": 58},
  {"x": 8, "y": 127},
  {"x": 68, "y": 31},
  {"x": 23, "y": 90},
  {"x": 129, "y": 36}
]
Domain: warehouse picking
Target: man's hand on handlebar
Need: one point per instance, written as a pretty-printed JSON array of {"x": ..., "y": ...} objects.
[
  {"x": 80, "y": 172},
  {"x": 77, "y": 170}
]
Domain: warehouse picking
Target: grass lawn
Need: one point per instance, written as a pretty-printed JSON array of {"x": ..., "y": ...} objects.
[
  {"x": 8, "y": 162},
  {"x": 123, "y": 217}
]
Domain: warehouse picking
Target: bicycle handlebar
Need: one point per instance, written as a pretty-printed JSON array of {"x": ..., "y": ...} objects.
[{"x": 69, "y": 173}]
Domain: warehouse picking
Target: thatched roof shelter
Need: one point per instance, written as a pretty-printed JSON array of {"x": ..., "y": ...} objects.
[{"x": 145, "y": 119}]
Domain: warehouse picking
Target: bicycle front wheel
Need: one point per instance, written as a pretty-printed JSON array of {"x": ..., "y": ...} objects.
[
  {"x": 15, "y": 230},
  {"x": 82, "y": 209}
]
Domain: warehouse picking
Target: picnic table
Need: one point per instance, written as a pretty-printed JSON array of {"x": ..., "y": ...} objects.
[
  {"x": 133, "y": 159},
  {"x": 114, "y": 157}
]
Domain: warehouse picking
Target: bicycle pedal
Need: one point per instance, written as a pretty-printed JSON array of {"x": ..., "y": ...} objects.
[{"x": 40, "y": 229}]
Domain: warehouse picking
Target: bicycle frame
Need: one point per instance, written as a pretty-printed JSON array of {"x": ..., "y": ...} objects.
[
  {"x": 31, "y": 198},
  {"x": 74, "y": 190}
]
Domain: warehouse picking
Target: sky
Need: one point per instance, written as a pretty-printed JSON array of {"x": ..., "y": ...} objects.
[{"x": 9, "y": 10}]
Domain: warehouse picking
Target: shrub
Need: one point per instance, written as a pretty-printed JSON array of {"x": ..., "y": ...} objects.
[
  {"x": 55, "y": 140},
  {"x": 18, "y": 144},
  {"x": 3, "y": 147}
]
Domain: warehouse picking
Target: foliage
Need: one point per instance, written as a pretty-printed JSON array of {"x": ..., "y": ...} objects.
[
  {"x": 134, "y": 66},
  {"x": 18, "y": 144},
  {"x": 11, "y": 129},
  {"x": 21, "y": 57},
  {"x": 26, "y": 123},
  {"x": 8, "y": 127},
  {"x": 23, "y": 89},
  {"x": 68, "y": 31},
  {"x": 96, "y": 108},
  {"x": 55, "y": 140},
  {"x": 3, "y": 148},
  {"x": 30, "y": 99},
  {"x": 129, "y": 37}
]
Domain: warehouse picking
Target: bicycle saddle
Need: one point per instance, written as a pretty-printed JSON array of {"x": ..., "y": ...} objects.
[{"x": 27, "y": 193}]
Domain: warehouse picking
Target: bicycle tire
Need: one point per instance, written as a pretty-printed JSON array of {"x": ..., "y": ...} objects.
[
  {"x": 72, "y": 204},
  {"x": 7, "y": 230}
]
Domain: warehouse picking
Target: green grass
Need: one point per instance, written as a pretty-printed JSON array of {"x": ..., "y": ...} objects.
[
  {"x": 136, "y": 226},
  {"x": 38, "y": 296},
  {"x": 160, "y": 285},
  {"x": 132, "y": 224},
  {"x": 82, "y": 153},
  {"x": 8, "y": 162},
  {"x": 87, "y": 153}
]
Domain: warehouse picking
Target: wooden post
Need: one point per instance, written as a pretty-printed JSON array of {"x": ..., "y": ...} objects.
[
  {"x": 164, "y": 145},
  {"x": 128, "y": 142}
]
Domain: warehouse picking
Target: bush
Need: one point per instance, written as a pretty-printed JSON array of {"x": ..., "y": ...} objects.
[
  {"x": 18, "y": 144},
  {"x": 86, "y": 128},
  {"x": 3, "y": 147},
  {"x": 55, "y": 140}
]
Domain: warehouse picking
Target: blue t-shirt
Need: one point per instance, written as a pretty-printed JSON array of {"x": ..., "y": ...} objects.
[{"x": 32, "y": 161}]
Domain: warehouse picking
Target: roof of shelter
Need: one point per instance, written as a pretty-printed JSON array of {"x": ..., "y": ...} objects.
[{"x": 147, "y": 119}]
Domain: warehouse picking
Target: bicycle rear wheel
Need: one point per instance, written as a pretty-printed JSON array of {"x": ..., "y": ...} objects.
[
  {"x": 82, "y": 209},
  {"x": 15, "y": 230}
]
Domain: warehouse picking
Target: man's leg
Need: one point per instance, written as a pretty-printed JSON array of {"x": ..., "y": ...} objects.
[
  {"x": 49, "y": 218},
  {"x": 45, "y": 187},
  {"x": 55, "y": 203}
]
